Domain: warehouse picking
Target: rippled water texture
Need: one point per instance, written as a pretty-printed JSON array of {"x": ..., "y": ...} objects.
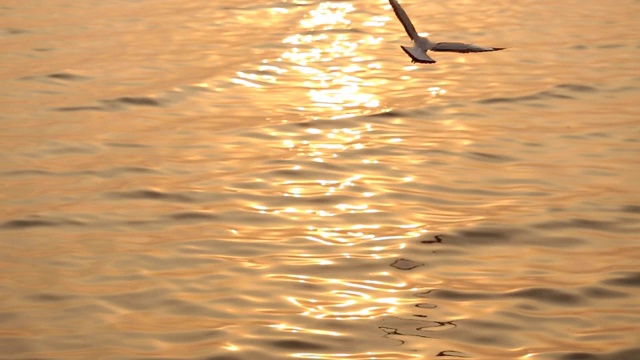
[{"x": 274, "y": 179}]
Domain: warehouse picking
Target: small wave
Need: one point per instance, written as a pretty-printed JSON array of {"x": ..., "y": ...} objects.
[
  {"x": 597, "y": 292},
  {"x": 193, "y": 216},
  {"x": 50, "y": 297},
  {"x": 611, "y": 46},
  {"x": 555, "y": 296},
  {"x": 577, "y": 88},
  {"x": 30, "y": 223},
  {"x": 59, "y": 76},
  {"x": 124, "y": 170},
  {"x": 79, "y": 108},
  {"x": 591, "y": 224},
  {"x": 562, "y": 91},
  {"x": 28, "y": 172},
  {"x": 140, "y": 101},
  {"x": 629, "y": 280},
  {"x": 151, "y": 195},
  {"x": 547, "y": 295},
  {"x": 458, "y": 295},
  {"x": 634, "y": 209},
  {"x": 15, "y": 31},
  {"x": 386, "y": 114},
  {"x": 164, "y": 98},
  {"x": 487, "y": 157},
  {"x": 297, "y": 345},
  {"x": 484, "y": 236},
  {"x": 67, "y": 76},
  {"x": 115, "y": 104},
  {"x": 27, "y": 223},
  {"x": 108, "y": 173},
  {"x": 515, "y": 99},
  {"x": 126, "y": 145},
  {"x": 628, "y": 354}
]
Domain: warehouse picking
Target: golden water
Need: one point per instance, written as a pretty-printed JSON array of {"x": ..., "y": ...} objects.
[{"x": 274, "y": 179}]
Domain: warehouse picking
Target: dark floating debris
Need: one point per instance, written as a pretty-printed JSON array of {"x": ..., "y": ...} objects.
[
  {"x": 404, "y": 264},
  {"x": 426, "y": 306},
  {"x": 436, "y": 239},
  {"x": 452, "y": 353}
]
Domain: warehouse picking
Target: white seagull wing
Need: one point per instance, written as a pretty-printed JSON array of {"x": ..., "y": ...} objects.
[
  {"x": 461, "y": 47},
  {"x": 418, "y": 55},
  {"x": 404, "y": 19}
]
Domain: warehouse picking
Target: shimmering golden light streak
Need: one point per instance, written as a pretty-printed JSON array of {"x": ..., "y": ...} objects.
[
  {"x": 329, "y": 62},
  {"x": 331, "y": 67},
  {"x": 352, "y": 299}
]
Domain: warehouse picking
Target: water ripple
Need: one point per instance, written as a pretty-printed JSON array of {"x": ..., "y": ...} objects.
[{"x": 273, "y": 180}]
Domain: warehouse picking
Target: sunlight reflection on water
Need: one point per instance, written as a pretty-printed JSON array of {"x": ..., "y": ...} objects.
[
  {"x": 333, "y": 58},
  {"x": 268, "y": 181}
]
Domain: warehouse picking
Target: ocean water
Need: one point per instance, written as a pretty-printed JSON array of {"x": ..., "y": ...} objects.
[{"x": 276, "y": 180}]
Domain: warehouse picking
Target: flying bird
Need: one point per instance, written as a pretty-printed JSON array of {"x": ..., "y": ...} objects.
[{"x": 418, "y": 53}]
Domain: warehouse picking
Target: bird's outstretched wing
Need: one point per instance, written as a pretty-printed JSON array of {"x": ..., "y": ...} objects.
[
  {"x": 404, "y": 19},
  {"x": 462, "y": 47},
  {"x": 418, "y": 55}
]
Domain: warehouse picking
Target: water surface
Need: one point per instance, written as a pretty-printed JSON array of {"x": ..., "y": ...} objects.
[{"x": 275, "y": 179}]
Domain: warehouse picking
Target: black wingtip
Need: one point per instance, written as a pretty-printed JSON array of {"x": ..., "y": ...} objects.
[{"x": 415, "y": 59}]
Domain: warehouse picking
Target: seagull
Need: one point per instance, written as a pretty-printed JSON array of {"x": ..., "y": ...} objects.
[{"x": 418, "y": 53}]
